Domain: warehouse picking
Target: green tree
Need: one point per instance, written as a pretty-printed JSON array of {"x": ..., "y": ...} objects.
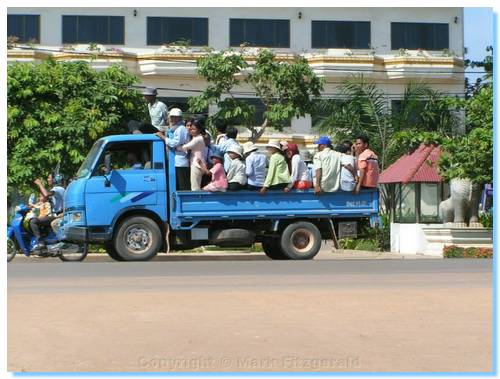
[
  {"x": 364, "y": 108},
  {"x": 286, "y": 89},
  {"x": 56, "y": 111}
]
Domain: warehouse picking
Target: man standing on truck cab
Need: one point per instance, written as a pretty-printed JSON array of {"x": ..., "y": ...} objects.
[
  {"x": 158, "y": 111},
  {"x": 327, "y": 164},
  {"x": 367, "y": 165},
  {"x": 177, "y": 136}
]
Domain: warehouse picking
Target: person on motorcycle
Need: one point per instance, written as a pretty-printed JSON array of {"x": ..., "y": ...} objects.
[{"x": 56, "y": 197}]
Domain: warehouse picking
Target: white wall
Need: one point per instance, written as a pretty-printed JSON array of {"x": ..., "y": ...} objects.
[{"x": 300, "y": 29}]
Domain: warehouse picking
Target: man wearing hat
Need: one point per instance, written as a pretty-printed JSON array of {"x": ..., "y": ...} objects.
[
  {"x": 327, "y": 164},
  {"x": 157, "y": 110},
  {"x": 178, "y": 135},
  {"x": 255, "y": 163},
  {"x": 236, "y": 177}
]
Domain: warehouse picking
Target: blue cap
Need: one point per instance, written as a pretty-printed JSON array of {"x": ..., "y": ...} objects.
[{"x": 323, "y": 140}]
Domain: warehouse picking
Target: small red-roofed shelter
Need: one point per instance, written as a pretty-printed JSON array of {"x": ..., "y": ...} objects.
[{"x": 414, "y": 187}]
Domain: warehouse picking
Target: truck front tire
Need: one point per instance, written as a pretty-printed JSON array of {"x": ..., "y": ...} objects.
[
  {"x": 137, "y": 239},
  {"x": 111, "y": 251},
  {"x": 300, "y": 240},
  {"x": 271, "y": 247}
]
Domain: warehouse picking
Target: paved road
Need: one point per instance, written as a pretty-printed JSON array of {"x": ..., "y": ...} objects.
[{"x": 370, "y": 315}]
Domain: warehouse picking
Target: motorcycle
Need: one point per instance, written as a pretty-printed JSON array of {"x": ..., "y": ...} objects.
[{"x": 22, "y": 240}]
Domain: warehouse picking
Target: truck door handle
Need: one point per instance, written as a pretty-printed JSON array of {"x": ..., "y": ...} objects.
[{"x": 149, "y": 179}]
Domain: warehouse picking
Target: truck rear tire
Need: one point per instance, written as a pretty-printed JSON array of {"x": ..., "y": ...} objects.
[
  {"x": 272, "y": 249},
  {"x": 300, "y": 240},
  {"x": 138, "y": 239}
]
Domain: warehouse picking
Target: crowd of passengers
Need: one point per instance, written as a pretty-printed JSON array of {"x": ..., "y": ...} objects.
[{"x": 220, "y": 163}]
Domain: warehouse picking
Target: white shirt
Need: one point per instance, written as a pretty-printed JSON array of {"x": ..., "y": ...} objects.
[
  {"x": 347, "y": 182},
  {"x": 299, "y": 170},
  {"x": 236, "y": 172}
]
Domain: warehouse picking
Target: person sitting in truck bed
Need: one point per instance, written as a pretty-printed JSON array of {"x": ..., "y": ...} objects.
[
  {"x": 327, "y": 164},
  {"x": 348, "y": 175},
  {"x": 218, "y": 179},
  {"x": 255, "y": 166},
  {"x": 236, "y": 177},
  {"x": 301, "y": 179},
  {"x": 223, "y": 147},
  {"x": 278, "y": 176}
]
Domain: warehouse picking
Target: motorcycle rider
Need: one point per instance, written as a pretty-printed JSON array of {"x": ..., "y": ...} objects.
[{"x": 56, "y": 197}]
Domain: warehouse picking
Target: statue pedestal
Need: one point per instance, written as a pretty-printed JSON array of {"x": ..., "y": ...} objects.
[{"x": 439, "y": 237}]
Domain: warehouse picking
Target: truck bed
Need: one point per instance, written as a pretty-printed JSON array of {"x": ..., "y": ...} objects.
[{"x": 188, "y": 207}]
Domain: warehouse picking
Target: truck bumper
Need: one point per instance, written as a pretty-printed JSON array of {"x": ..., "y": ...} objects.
[{"x": 76, "y": 234}]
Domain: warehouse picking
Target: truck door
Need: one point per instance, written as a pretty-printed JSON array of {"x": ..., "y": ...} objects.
[{"x": 132, "y": 182}]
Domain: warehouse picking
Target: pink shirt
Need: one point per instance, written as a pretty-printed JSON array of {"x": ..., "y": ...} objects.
[
  {"x": 368, "y": 161},
  {"x": 219, "y": 179}
]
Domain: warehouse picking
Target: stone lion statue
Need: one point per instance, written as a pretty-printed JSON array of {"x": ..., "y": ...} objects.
[{"x": 461, "y": 209}]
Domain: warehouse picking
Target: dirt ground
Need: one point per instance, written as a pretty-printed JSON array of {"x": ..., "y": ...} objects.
[{"x": 187, "y": 322}]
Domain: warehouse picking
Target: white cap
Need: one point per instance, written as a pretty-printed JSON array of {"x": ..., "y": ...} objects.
[{"x": 176, "y": 112}]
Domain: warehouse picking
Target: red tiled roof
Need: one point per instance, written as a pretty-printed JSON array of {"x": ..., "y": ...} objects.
[{"x": 419, "y": 166}]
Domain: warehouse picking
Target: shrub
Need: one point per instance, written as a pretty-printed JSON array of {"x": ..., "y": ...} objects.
[{"x": 453, "y": 251}]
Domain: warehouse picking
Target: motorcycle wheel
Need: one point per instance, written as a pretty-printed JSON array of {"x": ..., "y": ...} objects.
[
  {"x": 75, "y": 257},
  {"x": 11, "y": 249}
]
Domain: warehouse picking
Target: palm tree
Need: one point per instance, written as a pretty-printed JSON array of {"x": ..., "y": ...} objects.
[{"x": 364, "y": 108}]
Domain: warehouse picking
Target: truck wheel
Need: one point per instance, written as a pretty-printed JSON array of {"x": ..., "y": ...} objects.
[
  {"x": 137, "y": 239},
  {"x": 271, "y": 247},
  {"x": 300, "y": 240},
  {"x": 110, "y": 250}
]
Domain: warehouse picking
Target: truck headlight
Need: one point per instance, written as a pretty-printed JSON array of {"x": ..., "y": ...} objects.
[{"x": 76, "y": 217}]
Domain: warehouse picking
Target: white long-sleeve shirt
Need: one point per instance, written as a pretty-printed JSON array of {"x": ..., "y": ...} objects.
[{"x": 300, "y": 173}]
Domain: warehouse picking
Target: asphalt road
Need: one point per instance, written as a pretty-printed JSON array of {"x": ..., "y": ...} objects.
[{"x": 370, "y": 315}]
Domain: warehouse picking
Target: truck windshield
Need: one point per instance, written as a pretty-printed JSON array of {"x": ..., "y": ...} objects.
[{"x": 86, "y": 167}]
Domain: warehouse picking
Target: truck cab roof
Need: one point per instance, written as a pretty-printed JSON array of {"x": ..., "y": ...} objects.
[{"x": 130, "y": 138}]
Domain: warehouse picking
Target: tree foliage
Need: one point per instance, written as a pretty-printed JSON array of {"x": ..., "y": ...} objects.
[
  {"x": 364, "y": 108},
  {"x": 286, "y": 89},
  {"x": 56, "y": 111}
]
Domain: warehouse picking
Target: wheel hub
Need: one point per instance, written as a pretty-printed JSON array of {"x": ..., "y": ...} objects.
[
  {"x": 137, "y": 239},
  {"x": 302, "y": 240}
]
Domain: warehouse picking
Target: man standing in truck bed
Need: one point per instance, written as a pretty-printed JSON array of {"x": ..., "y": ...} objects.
[{"x": 177, "y": 136}]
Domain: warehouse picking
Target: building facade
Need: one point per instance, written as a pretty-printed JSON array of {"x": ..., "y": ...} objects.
[{"x": 390, "y": 46}]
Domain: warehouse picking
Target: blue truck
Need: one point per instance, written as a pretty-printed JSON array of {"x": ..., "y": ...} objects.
[{"x": 135, "y": 211}]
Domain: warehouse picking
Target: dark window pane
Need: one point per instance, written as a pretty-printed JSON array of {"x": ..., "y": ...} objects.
[
  {"x": 25, "y": 27},
  {"x": 70, "y": 34},
  {"x": 154, "y": 31},
  {"x": 414, "y": 36},
  {"x": 340, "y": 34},
  {"x": 162, "y": 30},
  {"x": 117, "y": 30},
  {"x": 93, "y": 29},
  {"x": 262, "y": 33}
]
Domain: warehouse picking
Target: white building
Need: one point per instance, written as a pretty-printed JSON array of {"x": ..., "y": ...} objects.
[{"x": 392, "y": 46}]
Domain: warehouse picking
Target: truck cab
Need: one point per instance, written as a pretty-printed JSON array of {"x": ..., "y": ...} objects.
[{"x": 124, "y": 197}]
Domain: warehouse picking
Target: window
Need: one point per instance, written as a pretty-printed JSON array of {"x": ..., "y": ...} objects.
[
  {"x": 257, "y": 32},
  {"x": 93, "y": 29},
  {"x": 340, "y": 34},
  {"x": 25, "y": 27},
  {"x": 126, "y": 156},
  {"x": 405, "y": 35},
  {"x": 430, "y": 197},
  {"x": 162, "y": 30}
]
